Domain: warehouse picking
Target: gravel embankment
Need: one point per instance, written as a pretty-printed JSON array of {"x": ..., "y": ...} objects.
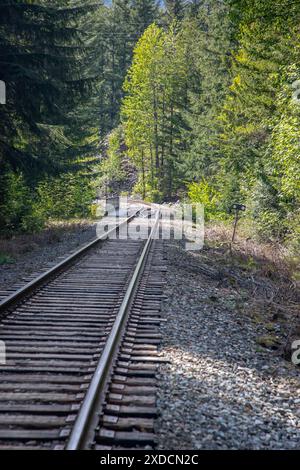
[
  {"x": 220, "y": 390},
  {"x": 36, "y": 254}
]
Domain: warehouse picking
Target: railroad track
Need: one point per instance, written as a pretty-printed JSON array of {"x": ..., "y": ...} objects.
[{"x": 81, "y": 344}]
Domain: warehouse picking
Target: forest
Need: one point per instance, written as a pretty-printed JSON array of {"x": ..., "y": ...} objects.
[{"x": 199, "y": 99}]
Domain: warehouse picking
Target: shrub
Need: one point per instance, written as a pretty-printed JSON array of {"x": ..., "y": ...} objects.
[
  {"x": 35, "y": 221},
  {"x": 266, "y": 212},
  {"x": 19, "y": 210},
  {"x": 69, "y": 195},
  {"x": 156, "y": 196},
  {"x": 207, "y": 195},
  {"x": 23, "y": 209},
  {"x": 111, "y": 166},
  {"x": 293, "y": 237},
  {"x": 269, "y": 225}
]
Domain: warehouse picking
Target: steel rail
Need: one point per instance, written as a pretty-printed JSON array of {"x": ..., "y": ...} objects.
[
  {"x": 81, "y": 427},
  {"x": 35, "y": 283}
]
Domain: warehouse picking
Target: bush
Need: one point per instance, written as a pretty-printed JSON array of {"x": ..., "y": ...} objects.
[
  {"x": 293, "y": 237},
  {"x": 19, "y": 210},
  {"x": 35, "y": 221},
  {"x": 23, "y": 209},
  {"x": 266, "y": 211},
  {"x": 111, "y": 166},
  {"x": 70, "y": 195},
  {"x": 156, "y": 196},
  {"x": 269, "y": 225},
  {"x": 205, "y": 194}
]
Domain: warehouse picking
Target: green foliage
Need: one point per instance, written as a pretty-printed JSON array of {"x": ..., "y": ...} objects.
[
  {"x": 266, "y": 212},
  {"x": 26, "y": 210},
  {"x": 156, "y": 196},
  {"x": 293, "y": 235},
  {"x": 45, "y": 60},
  {"x": 112, "y": 165},
  {"x": 64, "y": 66},
  {"x": 35, "y": 220},
  {"x": 269, "y": 225},
  {"x": 19, "y": 210},
  {"x": 207, "y": 36},
  {"x": 205, "y": 194},
  {"x": 67, "y": 196},
  {"x": 124, "y": 22},
  {"x": 260, "y": 120},
  {"x": 207, "y": 100},
  {"x": 48, "y": 60},
  {"x": 151, "y": 110},
  {"x": 175, "y": 9}
]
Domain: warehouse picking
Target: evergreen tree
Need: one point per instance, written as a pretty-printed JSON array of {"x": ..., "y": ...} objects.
[
  {"x": 125, "y": 22},
  {"x": 193, "y": 8},
  {"x": 208, "y": 44},
  {"x": 175, "y": 9},
  {"x": 47, "y": 57},
  {"x": 143, "y": 14},
  {"x": 47, "y": 74},
  {"x": 260, "y": 120}
]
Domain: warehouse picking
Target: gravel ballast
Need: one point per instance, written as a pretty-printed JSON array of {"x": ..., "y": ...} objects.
[
  {"x": 42, "y": 252},
  {"x": 219, "y": 389}
]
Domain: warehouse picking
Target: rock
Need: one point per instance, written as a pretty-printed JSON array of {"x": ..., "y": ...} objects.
[{"x": 217, "y": 392}]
